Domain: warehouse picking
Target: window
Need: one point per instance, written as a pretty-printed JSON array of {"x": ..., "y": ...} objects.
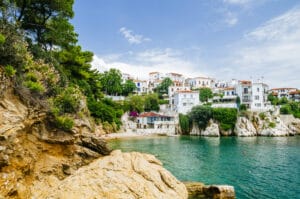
[
  {"x": 258, "y": 105},
  {"x": 245, "y": 90},
  {"x": 257, "y": 89},
  {"x": 184, "y": 104},
  {"x": 191, "y": 96},
  {"x": 184, "y": 95},
  {"x": 256, "y": 97}
]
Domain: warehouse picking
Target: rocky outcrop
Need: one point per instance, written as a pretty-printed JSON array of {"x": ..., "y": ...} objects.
[
  {"x": 31, "y": 150},
  {"x": 197, "y": 190},
  {"x": 120, "y": 175},
  {"x": 212, "y": 130},
  {"x": 244, "y": 128},
  {"x": 291, "y": 122}
]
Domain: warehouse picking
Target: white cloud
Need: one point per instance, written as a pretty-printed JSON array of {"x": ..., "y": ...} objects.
[
  {"x": 231, "y": 19},
  {"x": 237, "y": 2},
  {"x": 271, "y": 50},
  {"x": 133, "y": 38},
  {"x": 140, "y": 64}
]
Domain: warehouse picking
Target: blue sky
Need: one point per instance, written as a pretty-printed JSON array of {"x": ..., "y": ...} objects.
[{"x": 224, "y": 39}]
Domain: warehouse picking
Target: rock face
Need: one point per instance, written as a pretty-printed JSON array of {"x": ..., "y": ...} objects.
[
  {"x": 244, "y": 128},
  {"x": 120, "y": 175},
  {"x": 31, "y": 151},
  {"x": 212, "y": 130},
  {"x": 291, "y": 122},
  {"x": 197, "y": 190}
]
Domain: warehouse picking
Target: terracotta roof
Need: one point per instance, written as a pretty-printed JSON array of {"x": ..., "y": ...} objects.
[
  {"x": 153, "y": 73},
  {"x": 245, "y": 81},
  {"x": 152, "y": 114},
  {"x": 228, "y": 89},
  {"x": 177, "y": 74},
  {"x": 294, "y": 92}
]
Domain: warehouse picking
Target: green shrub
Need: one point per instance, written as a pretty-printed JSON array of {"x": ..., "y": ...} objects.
[
  {"x": 272, "y": 125},
  {"x": 297, "y": 114},
  {"x": 2, "y": 38},
  {"x": 161, "y": 101},
  {"x": 64, "y": 122},
  {"x": 185, "y": 124},
  {"x": 225, "y": 127},
  {"x": 9, "y": 70},
  {"x": 243, "y": 107},
  {"x": 285, "y": 109},
  {"x": 201, "y": 115},
  {"x": 34, "y": 86},
  {"x": 68, "y": 101},
  {"x": 226, "y": 116},
  {"x": 262, "y": 116},
  {"x": 30, "y": 76}
]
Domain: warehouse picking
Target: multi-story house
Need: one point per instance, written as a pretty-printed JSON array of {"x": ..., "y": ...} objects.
[
  {"x": 201, "y": 82},
  {"x": 176, "y": 78},
  {"x": 244, "y": 91},
  {"x": 171, "y": 93},
  {"x": 294, "y": 95},
  {"x": 141, "y": 86},
  {"x": 282, "y": 92},
  {"x": 259, "y": 96},
  {"x": 226, "y": 98},
  {"x": 185, "y": 100}
]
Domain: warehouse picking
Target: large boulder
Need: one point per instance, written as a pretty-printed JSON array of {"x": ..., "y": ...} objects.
[
  {"x": 244, "y": 128},
  {"x": 212, "y": 130},
  {"x": 120, "y": 175}
]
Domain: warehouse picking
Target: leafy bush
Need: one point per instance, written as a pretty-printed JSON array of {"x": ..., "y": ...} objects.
[
  {"x": 297, "y": 114},
  {"x": 285, "y": 109},
  {"x": 161, "y": 101},
  {"x": 185, "y": 124},
  {"x": 68, "y": 101},
  {"x": 226, "y": 116},
  {"x": 272, "y": 125},
  {"x": 2, "y": 39},
  {"x": 34, "y": 86},
  {"x": 30, "y": 76},
  {"x": 64, "y": 122},
  {"x": 262, "y": 116},
  {"x": 243, "y": 107},
  {"x": 201, "y": 115},
  {"x": 151, "y": 102},
  {"x": 9, "y": 70}
]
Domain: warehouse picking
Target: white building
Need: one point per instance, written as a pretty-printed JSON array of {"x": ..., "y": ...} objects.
[
  {"x": 141, "y": 86},
  {"x": 283, "y": 92},
  {"x": 185, "y": 100},
  {"x": 171, "y": 93},
  {"x": 244, "y": 91},
  {"x": 125, "y": 77},
  {"x": 176, "y": 78},
  {"x": 259, "y": 96},
  {"x": 226, "y": 99},
  {"x": 201, "y": 82}
]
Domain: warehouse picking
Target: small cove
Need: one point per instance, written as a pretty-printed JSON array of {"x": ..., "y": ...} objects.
[{"x": 258, "y": 167}]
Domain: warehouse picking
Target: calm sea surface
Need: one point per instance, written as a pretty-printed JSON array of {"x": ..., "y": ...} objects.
[{"x": 258, "y": 167}]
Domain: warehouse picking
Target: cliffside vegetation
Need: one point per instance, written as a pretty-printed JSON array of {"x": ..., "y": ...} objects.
[
  {"x": 201, "y": 115},
  {"x": 39, "y": 51}
]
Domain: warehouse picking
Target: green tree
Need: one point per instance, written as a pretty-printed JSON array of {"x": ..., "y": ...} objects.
[
  {"x": 272, "y": 99},
  {"x": 151, "y": 102},
  {"x": 185, "y": 124},
  {"x": 128, "y": 87},
  {"x": 111, "y": 81},
  {"x": 163, "y": 87},
  {"x": 135, "y": 103},
  {"x": 205, "y": 94},
  {"x": 226, "y": 116},
  {"x": 46, "y": 20},
  {"x": 201, "y": 115}
]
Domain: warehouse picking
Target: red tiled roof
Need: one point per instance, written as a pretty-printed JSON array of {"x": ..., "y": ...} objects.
[
  {"x": 152, "y": 114},
  {"x": 177, "y": 74},
  {"x": 245, "y": 81},
  {"x": 228, "y": 88},
  {"x": 153, "y": 73},
  {"x": 294, "y": 92}
]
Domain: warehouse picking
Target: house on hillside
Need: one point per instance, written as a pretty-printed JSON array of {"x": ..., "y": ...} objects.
[
  {"x": 141, "y": 86},
  {"x": 244, "y": 91},
  {"x": 201, "y": 82},
  {"x": 226, "y": 98},
  {"x": 259, "y": 96},
  {"x": 185, "y": 100}
]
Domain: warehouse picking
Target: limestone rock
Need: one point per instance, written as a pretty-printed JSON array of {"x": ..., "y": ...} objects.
[
  {"x": 198, "y": 190},
  {"x": 244, "y": 128},
  {"x": 211, "y": 131},
  {"x": 195, "y": 130},
  {"x": 279, "y": 130},
  {"x": 120, "y": 175}
]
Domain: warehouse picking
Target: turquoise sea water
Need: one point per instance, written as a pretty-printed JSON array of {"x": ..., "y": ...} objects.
[{"x": 258, "y": 167}]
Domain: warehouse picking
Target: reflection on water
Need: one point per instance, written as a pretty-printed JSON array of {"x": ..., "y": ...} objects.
[{"x": 258, "y": 167}]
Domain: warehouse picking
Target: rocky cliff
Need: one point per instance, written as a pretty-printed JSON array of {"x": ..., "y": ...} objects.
[{"x": 120, "y": 175}]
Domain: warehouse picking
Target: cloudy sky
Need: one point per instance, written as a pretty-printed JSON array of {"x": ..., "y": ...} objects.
[{"x": 224, "y": 39}]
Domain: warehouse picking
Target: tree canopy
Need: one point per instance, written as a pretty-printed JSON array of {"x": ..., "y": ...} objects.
[{"x": 205, "y": 94}]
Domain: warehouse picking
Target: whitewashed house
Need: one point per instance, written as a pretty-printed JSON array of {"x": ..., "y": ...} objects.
[
  {"x": 185, "y": 100},
  {"x": 201, "y": 82},
  {"x": 282, "y": 92},
  {"x": 259, "y": 100},
  {"x": 244, "y": 91},
  {"x": 171, "y": 93},
  {"x": 151, "y": 122},
  {"x": 178, "y": 79},
  {"x": 226, "y": 99},
  {"x": 141, "y": 86}
]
